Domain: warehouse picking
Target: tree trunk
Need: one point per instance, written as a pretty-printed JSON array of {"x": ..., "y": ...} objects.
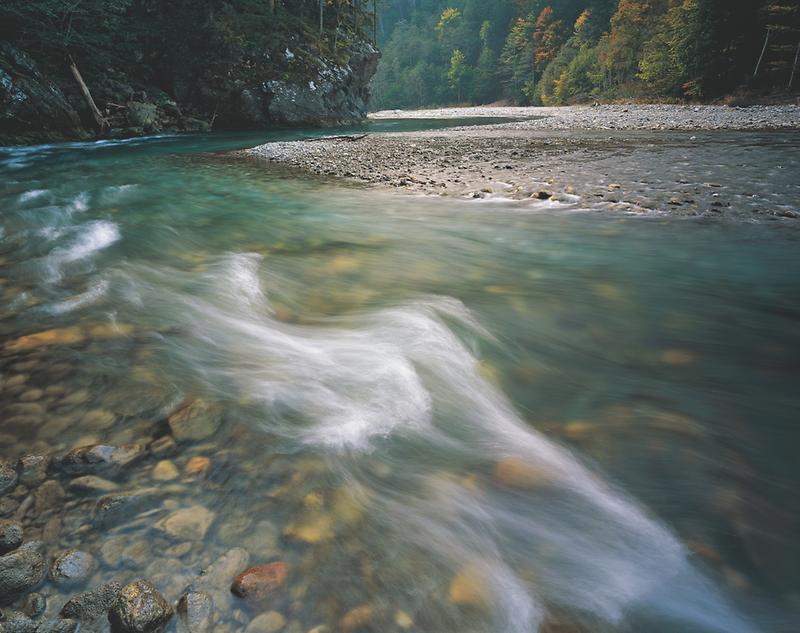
[
  {"x": 102, "y": 124},
  {"x": 763, "y": 50},
  {"x": 375, "y": 22}
]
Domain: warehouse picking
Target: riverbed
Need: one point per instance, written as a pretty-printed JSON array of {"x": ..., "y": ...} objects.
[{"x": 424, "y": 413}]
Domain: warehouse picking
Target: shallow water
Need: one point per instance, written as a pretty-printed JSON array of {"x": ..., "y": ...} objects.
[{"x": 453, "y": 415}]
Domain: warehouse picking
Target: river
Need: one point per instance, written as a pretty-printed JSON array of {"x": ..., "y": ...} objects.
[{"x": 442, "y": 415}]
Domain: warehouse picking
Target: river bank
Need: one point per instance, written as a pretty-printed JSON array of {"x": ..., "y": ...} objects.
[{"x": 543, "y": 158}]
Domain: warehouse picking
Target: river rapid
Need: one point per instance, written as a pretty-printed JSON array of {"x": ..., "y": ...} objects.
[{"x": 440, "y": 414}]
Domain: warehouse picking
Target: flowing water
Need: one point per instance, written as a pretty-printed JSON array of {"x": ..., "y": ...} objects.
[{"x": 442, "y": 415}]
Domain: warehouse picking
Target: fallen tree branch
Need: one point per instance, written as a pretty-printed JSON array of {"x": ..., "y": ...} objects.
[{"x": 99, "y": 119}]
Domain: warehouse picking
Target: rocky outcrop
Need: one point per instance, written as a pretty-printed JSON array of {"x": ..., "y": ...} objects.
[
  {"x": 335, "y": 94},
  {"x": 313, "y": 92},
  {"x": 32, "y": 106}
]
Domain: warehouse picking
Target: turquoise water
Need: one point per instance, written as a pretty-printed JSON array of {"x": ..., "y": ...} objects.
[{"x": 453, "y": 415}]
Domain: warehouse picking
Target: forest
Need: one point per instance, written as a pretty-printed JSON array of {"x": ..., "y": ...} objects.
[
  {"x": 554, "y": 52},
  {"x": 200, "y": 64}
]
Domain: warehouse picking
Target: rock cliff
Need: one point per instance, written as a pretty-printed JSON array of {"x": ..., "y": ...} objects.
[{"x": 38, "y": 105}]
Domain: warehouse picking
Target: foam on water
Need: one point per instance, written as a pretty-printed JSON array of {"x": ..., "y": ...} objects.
[
  {"x": 33, "y": 194},
  {"x": 92, "y": 295},
  {"x": 89, "y": 239},
  {"x": 403, "y": 385}
]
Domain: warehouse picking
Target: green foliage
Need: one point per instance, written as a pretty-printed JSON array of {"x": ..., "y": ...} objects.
[
  {"x": 56, "y": 29},
  {"x": 457, "y": 73},
  {"x": 198, "y": 51},
  {"x": 563, "y": 51}
]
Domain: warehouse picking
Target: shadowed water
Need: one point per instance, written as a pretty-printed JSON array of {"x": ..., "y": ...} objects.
[{"x": 453, "y": 416}]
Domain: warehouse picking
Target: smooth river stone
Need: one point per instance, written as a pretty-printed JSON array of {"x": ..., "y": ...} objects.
[
  {"x": 117, "y": 508},
  {"x": 357, "y": 618},
  {"x": 198, "y": 420},
  {"x": 269, "y": 622},
  {"x": 259, "y": 582},
  {"x": 188, "y": 524},
  {"x": 195, "y": 610},
  {"x": 469, "y": 588},
  {"x": 219, "y": 576},
  {"x": 72, "y": 567},
  {"x": 165, "y": 470}
]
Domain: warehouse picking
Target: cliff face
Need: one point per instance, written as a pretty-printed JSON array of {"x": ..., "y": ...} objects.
[
  {"x": 331, "y": 94},
  {"x": 32, "y": 105},
  {"x": 38, "y": 105}
]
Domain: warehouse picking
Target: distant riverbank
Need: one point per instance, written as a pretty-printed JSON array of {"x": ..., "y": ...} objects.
[
  {"x": 556, "y": 155},
  {"x": 622, "y": 117}
]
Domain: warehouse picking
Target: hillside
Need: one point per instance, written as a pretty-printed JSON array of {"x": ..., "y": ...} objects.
[{"x": 553, "y": 52}]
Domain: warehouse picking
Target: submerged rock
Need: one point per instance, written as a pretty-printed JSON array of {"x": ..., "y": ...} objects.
[
  {"x": 58, "y": 626},
  {"x": 357, "y": 618},
  {"x": 47, "y": 497},
  {"x": 469, "y": 588},
  {"x": 195, "y": 610},
  {"x": 22, "y": 570},
  {"x": 33, "y": 469},
  {"x": 116, "y": 508},
  {"x": 188, "y": 524},
  {"x": 515, "y": 472},
  {"x": 8, "y": 477},
  {"x": 197, "y": 465},
  {"x": 165, "y": 470},
  {"x": 139, "y": 608},
  {"x": 91, "y": 460},
  {"x": 72, "y": 567},
  {"x": 257, "y": 583},
  {"x": 217, "y": 579},
  {"x": 10, "y": 535},
  {"x": 16, "y": 622},
  {"x": 269, "y": 622},
  {"x": 198, "y": 420},
  {"x": 34, "y": 605},
  {"x": 92, "y": 605},
  {"x": 91, "y": 484}
]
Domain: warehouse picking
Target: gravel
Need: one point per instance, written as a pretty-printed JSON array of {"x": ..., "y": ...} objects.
[{"x": 543, "y": 158}]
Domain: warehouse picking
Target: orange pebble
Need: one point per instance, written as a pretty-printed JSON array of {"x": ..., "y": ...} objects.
[{"x": 197, "y": 465}]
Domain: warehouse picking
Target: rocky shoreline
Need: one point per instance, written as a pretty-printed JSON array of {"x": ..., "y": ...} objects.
[{"x": 520, "y": 159}]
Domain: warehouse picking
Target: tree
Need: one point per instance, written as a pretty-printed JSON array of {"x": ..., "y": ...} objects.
[
  {"x": 547, "y": 37},
  {"x": 457, "y": 72},
  {"x": 518, "y": 59}
]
